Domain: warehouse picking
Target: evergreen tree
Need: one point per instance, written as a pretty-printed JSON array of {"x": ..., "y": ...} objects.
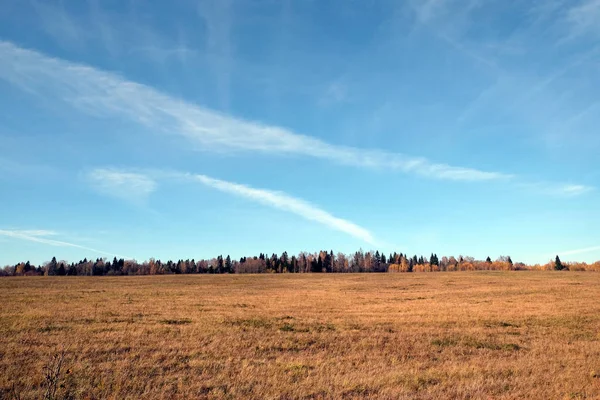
[
  {"x": 332, "y": 257},
  {"x": 177, "y": 267},
  {"x": 52, "y": 267},
  {"x": 558, "y": 265},
  {"x": 376, "y": 262},
  {"x": 315, "y": 266},
  {"x": 61, "y": 271},
  {"x": 119, "y": 267},
  {"x": 220, "y": 266},
  {"x": 72, "y": 271},
  {"x": 285, "y": 263},
  {"x": 488, "y": 260},
  {"x": 274, "y": 262},
  {"x": 228, "y": 266}
]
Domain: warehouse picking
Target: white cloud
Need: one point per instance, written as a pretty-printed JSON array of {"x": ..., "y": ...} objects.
[
  {"x": 106, "y": 94},
  {"x": 288, "y": 203},
  {"x": 427, "y": 10},
  {"x": 335, "y": 93},
  {"x": 275, "y": 199},
  {"x": 574, "y": 190},
  {"x": 561, "y": 190},
  {"x": 40, "y": 236},
  {"x": 35, "y": 232},
  {"x": 127, "y": 185},
  {"x": 579, "y": 251},
  {"x": 584, "y": 18}
]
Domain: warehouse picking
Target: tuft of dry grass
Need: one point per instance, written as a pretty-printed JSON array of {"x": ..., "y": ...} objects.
[{"x": 477, "y": 335}]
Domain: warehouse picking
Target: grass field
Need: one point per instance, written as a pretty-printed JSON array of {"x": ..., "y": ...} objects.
[{"x": 481, "y": 335}]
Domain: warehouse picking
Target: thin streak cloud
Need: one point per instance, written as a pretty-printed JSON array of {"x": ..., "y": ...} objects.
[
  {"x": 274, "y": 199},
  {"x": 580, "y": 251},
  {"x": 565, "y": 190},
  {"x": 288, "y": 203},
  {"x": 100, "y": 93},
  {"x": 39, "y": 236}
]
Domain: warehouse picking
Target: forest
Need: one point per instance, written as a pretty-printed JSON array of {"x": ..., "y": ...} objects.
[{"x": 319, "y": 262}]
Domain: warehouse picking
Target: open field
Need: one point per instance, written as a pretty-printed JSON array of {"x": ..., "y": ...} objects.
[{"x": 504, "y": 335}]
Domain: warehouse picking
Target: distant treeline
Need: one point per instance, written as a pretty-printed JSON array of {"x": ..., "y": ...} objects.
[{"x": 321, "y": 262}]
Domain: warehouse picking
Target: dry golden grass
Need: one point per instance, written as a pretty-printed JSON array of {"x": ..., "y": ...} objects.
[{"x": 477, "y": 335}]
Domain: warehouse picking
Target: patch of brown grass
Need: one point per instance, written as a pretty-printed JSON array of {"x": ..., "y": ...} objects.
[{"x": 505, "y": 335}]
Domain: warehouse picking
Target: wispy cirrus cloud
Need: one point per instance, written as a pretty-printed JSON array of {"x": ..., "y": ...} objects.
[
  {"x": 448, "y": 20},
  {"x": 558, "y": 190},
  {"x": 126, "y": 185},
  {"x": 42, "y": 236},
  {"x": 521, "y": 83},
  {"x": 584, "y": 18},
  {"x": 335, "y": 93},
  {"x": 101, "y": 93},
  {"x": 162, "y": 54},
  {"x": 574, "y": 190},
  {"x": 579, "y": 251},
  {"x": 217, "y": 16},
  {"x": 270, "y": 198},
  {"x": 34, "y": 232},
  {"x": 96, "y": 92},
  {"x": 58, "y": 23},
  {"x": 288, "y": 203}
]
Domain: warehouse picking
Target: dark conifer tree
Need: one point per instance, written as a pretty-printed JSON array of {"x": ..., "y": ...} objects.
[
  {"x": 61, "y": 271},
  {"x": 220, "y": 265},
  {"x": 228, "y": 266},
  {"x": 285, "y": 262},
  {"x": 314, "y": 266},
  {"x": 558, "y": 265},
  {"x": 52, "y": 267}
]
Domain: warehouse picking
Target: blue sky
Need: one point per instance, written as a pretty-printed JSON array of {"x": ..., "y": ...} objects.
[{"x": 189, "y": 129}]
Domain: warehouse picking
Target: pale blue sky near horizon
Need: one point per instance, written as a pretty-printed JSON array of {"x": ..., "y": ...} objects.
[{"x": 191, "y": 129}]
